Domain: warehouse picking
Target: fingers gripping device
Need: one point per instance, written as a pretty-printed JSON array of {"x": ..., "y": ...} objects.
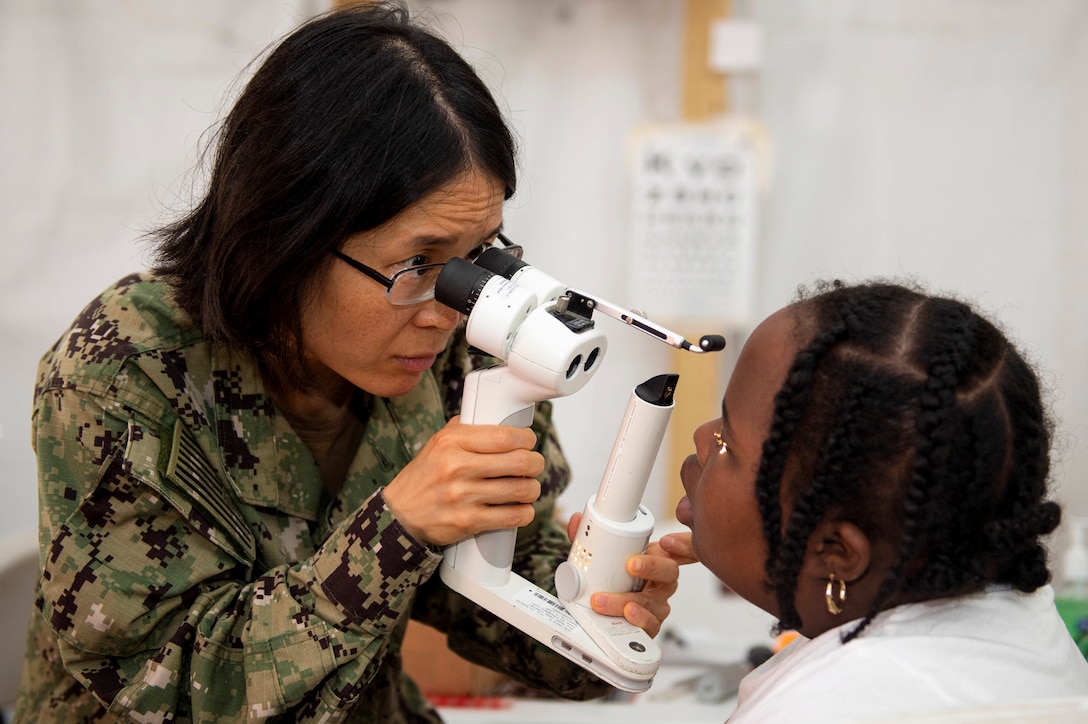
[{"x": 550, "y": 347}]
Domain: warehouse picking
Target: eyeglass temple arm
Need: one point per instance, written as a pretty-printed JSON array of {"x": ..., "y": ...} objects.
[{"x": 359, "y": 266}]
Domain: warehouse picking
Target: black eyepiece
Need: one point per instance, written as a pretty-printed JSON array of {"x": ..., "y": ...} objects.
[
  {"x": 459, "y": 284},
  {"x": 498, "y": 261}
]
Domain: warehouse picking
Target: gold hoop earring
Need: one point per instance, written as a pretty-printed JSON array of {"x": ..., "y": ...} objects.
[
  {"x": 723, "y": 447},
  {"x": 834, "y": 605}
]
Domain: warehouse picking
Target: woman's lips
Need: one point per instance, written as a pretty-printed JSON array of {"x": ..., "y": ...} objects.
[
  {"x": 683, "y": 511},
  {"x": 689, "y": 470},
  {"x": 417, "y": 364}
]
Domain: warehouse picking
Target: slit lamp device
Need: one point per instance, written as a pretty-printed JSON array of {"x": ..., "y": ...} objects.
[{"x": 549, "y": 346}]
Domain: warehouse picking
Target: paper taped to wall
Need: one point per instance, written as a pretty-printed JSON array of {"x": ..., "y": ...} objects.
[{"x": 696, "y": 193}]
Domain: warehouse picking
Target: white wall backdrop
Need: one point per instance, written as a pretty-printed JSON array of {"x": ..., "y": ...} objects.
[
  {"x": 102, "y": 103},
  {"x": 942, "y": 139}
]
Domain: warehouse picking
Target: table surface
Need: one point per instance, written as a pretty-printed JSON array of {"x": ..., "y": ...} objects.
[{"x": 670, "y": 699}]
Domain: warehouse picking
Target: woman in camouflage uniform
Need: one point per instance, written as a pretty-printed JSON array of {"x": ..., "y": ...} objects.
[{"x": 249, "y": 458}]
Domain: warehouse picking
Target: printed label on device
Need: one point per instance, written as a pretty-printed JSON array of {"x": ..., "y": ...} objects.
[{"x": 545, "y": 607}]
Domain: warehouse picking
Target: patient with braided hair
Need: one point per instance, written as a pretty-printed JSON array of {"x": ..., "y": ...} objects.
[{"x": 878, "y": 482}]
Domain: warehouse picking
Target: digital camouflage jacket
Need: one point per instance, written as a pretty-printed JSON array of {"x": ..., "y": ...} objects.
[{"x": 195, "y": 569}]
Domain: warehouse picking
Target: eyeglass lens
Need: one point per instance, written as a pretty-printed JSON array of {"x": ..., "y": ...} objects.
[{"x": 415, "y": 285}]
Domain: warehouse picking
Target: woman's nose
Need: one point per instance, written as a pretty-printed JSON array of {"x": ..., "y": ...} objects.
[
  {"x": 689, "y": 473},
  {"x": 702, "y": 437},
  {"x": 434, "y": 313}
]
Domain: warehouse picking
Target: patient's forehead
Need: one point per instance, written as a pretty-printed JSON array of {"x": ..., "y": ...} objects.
[
  {"x": 760, "y": 372},
  {"x": 789, "y": 329}
]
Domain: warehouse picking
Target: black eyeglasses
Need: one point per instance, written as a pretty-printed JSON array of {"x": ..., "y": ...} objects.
[{"x": 416, "y": 284}]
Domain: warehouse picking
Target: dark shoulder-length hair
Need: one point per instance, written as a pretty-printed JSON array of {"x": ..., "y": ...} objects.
[{"x": 353, "y": 117}]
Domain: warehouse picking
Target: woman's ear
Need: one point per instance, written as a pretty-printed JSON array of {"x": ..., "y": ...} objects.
[{"x": 838, "y": 547}]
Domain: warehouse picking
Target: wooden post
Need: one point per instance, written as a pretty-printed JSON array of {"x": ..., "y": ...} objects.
[
  {"x": 697, "y": 395},
  {"x": 704, "y": 91}
]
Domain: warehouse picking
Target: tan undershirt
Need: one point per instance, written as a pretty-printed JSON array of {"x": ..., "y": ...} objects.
[{"x": 331, "y": 430}]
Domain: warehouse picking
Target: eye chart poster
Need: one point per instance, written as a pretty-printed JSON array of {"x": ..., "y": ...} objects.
[{"x": 694, "y": 228}]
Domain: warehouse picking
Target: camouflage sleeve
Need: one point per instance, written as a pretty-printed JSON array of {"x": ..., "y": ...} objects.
[{"x": 159, "y": 615}]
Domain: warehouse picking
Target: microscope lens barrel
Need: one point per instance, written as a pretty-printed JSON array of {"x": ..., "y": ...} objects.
[
  {"x": 460, "y": 283},
  {"x": 501, "y": 263}
]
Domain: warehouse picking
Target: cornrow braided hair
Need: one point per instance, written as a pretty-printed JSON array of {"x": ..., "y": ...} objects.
[{"x": 914, "y": 418}]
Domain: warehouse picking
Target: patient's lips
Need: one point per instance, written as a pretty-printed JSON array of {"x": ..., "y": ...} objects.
[{"x": 683, "y": 511}]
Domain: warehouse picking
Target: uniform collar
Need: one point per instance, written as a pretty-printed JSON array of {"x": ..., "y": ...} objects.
[{"x": 270, "y": 466}]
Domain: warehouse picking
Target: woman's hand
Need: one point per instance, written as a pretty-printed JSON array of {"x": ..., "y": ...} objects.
[
  {"x": 467, "y": 479},
  {"x": 659, "y": 567}
]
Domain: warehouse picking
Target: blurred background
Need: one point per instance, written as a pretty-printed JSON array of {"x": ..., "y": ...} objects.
[{"x": 940, "y": 140}]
